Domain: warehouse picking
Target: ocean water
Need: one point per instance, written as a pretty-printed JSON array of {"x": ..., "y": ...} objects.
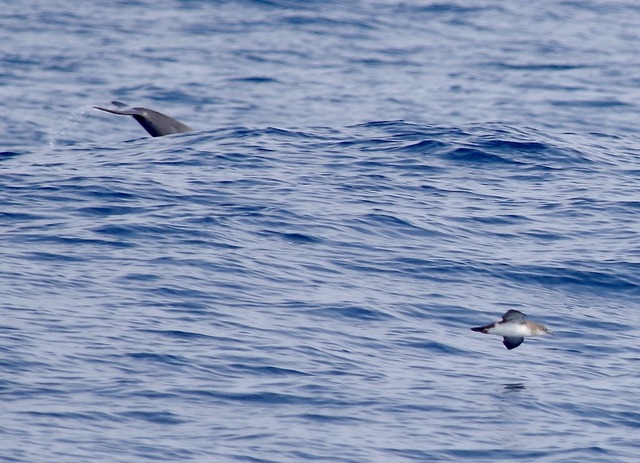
[{"x": 295, "y": 280}]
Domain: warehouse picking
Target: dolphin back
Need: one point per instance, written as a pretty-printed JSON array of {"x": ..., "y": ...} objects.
[{"x": 155, "y": 123}]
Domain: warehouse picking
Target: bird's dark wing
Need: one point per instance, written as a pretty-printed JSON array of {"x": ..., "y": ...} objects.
[
  {"x": 512, "y": 343},
  {"x": 513, "y": 315}
]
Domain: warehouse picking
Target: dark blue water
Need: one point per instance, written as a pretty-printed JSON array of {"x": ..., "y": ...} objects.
[{"x": 295, "y": 280}]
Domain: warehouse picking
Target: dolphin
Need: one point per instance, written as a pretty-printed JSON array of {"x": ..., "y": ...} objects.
[{"x": 157, "y": 124}]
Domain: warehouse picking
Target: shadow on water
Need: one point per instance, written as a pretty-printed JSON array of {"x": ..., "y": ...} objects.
[{"x": 514, "y": 386}]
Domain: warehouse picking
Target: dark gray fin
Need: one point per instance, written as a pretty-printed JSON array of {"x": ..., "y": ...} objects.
[
  {"x": 155, "y": 123},
  {"x": 512, "y": 343},
  {"x": 513, "y": 315}
]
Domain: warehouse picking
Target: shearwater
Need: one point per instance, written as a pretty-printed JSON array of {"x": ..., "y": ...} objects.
[{"x": 513, "y": 328}]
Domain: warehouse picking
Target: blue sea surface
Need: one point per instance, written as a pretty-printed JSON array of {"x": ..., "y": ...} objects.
[{"x": 294, "y": 280}]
